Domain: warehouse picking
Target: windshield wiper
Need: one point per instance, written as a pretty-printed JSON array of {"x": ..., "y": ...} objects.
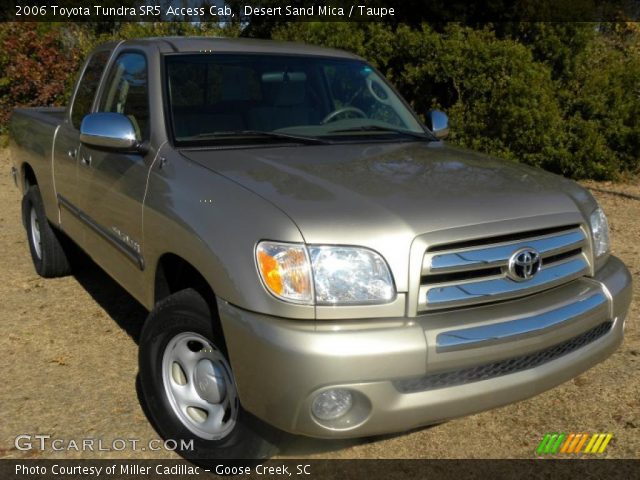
[
  {"x": 263, "y": 133},
  {"x": 377, "y": 128}
]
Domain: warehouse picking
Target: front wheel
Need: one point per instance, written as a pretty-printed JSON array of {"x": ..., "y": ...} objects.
[{"x": 189, "y": 387}]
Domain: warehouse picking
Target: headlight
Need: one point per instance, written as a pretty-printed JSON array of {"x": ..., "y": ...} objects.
[
  {"x": 599, "y": 232},
  {"x": 350, "y": 275},
  {"x": 341, "y": 275},
  {"x": 284, "y": 269}
]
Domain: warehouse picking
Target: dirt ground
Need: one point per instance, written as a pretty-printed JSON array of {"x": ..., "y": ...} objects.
[{"x": 69, "y": 364}]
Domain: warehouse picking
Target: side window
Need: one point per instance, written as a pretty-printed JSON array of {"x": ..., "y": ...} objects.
[
  {"x": 127, "y": 91},
  {"x": 88, "y": 87}
]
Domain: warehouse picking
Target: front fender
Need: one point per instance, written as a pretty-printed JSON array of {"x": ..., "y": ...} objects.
[{"x": 214, "y": 224}]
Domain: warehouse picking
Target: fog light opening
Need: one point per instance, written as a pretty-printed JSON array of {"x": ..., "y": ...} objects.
[{"x": 332, "y": 404}]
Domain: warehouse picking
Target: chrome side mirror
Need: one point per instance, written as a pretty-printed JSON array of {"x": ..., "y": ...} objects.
[
  {"x": 108, "y": 130},
  {"x": 438, "y": 123}
]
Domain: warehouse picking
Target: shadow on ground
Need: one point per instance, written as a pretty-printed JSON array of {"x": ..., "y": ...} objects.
[
  {"x": 128, "y": 314},
  {"x": 297, "y": 446}
]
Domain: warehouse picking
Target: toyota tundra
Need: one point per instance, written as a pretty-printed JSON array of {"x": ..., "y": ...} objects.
[{"x": 314, "y": 257}]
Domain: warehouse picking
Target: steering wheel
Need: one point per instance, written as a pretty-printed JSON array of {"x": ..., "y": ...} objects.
[{"x": 340, "y": 111}]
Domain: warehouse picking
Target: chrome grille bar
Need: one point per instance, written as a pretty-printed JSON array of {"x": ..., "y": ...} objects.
[
  {"x": 498, "y": 288},
  {"x": 478, "y": 274},
  {"x": 481, "y": 336},
  {"x": 498, "y": 255}
]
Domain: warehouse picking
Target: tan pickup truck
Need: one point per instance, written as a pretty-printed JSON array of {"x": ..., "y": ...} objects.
[{"x": 314, "y": 259}]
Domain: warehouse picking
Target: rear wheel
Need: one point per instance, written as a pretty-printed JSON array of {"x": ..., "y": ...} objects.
[
  {"x": 189, "y": 387},
  {"x": 49, "y": 255}
]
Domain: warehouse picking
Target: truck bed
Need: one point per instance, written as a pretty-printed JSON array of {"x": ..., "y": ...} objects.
[
  {"x": 31, "y": 133},
  {"x": 52, "y": 115},
  {"x": 33, "y": 128}
]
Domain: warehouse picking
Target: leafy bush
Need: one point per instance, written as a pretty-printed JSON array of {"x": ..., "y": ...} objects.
[
  {"x": 499, "y": 100},
  {"x": 164, "y": 29},
  {"x": 39, "y": 62},
  {"x": 603, "y": 106},
  {"x": 560, "y": 96},
  {"x": 563, "y": 96},
  {"x": 35, "y": 62}
]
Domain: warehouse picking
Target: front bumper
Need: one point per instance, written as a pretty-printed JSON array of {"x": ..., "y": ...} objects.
[{"x": 409, "y": 372}]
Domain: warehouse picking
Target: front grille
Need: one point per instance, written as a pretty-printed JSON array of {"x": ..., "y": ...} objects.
[
  {"x": 503, "y": 367},
  {"x": 510, "y": 237},
  {"x": 472, "y": 272}
]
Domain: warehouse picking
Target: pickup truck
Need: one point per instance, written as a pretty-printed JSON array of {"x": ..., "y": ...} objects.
[{"x": 315, "y": 259}]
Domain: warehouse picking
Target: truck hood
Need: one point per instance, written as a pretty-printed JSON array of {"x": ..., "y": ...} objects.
[
  {"x": 383, "y": 196},
  {"x": 350, "y": 192}
]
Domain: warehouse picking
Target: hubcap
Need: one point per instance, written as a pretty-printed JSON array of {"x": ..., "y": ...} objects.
[
  {"x": 199, "y": 385},
  {"x": 35, "y": 232},
  {"x": 209, "y": 381}
]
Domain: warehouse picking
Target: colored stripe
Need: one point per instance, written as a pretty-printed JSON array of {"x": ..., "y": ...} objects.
[
  {"x": 555, "y": 447},
  {"x": 605, "y": 442},
  {"x": 550, "y": 443},
  {"x": 576, "y": 439},
  {"x": 582, "y": 442},
  {"x": 594, "y": 437},
  {"x": 565, "y": 446},
  {"x": 553, "y": 443},
  {"x": 596, "y": 445},
  {"x": 543, "y": 443}
]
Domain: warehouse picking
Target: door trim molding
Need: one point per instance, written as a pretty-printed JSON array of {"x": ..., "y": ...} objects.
[{"x": 129, "y": 252}]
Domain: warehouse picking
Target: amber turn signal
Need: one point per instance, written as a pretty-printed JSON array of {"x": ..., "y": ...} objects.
[{"x": 285, "y": 271}]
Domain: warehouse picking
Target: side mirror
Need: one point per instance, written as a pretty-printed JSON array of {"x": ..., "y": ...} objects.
[
  {"x": 438, "y": 123},
  {"x": 108, "y": 130}
]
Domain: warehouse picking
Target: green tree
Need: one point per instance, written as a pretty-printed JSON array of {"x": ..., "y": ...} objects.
[
  {"x": 602, "y": 105},
  {"x": 35, "y": 61},
  {"x": 563, "y": 96}
]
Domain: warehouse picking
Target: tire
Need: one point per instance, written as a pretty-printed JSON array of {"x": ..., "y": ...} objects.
[
  {"x": 50, "y": 258},
  {"x": 187, "y": 383}
]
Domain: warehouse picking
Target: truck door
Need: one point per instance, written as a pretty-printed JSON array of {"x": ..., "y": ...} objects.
[
  {"x": 67, "y": 144},
  {"x": 113, "y": 183}
]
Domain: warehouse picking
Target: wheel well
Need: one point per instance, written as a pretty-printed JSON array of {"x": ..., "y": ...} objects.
[
  {"x": 28, "y": 176},
  {"x": 174, "y": 274}
]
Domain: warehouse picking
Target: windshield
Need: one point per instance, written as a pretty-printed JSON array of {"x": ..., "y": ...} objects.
[{"x": 231, "y": 96}]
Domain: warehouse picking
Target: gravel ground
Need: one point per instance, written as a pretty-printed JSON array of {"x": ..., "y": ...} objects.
[{"x": 69, "y": 366}]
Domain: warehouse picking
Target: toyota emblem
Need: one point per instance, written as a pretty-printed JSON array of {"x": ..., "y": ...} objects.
[{"x": 524, "y": 264}]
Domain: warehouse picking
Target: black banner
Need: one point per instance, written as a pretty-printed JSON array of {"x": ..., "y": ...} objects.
[
  {"x": 11, "y": 469},
  {"x": 261, "y": 11}
]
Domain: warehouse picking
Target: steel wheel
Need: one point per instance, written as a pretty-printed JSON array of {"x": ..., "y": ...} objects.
[
  {"x": 48, "y": 247},
  {"x": 35, "y": 232},
  {"x": 189, "y": 390},
  {"x": 199, "y": 385}
]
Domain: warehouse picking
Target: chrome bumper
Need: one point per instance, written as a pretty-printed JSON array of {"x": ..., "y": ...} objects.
[
  {"x": 514, "y": 330},
  {"x": 409, "y": 372}
]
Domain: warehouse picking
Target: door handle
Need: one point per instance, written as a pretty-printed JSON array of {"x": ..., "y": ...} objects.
[
  {"x": 72, "y": 153},
  {"x": 86, "y": 160}
]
